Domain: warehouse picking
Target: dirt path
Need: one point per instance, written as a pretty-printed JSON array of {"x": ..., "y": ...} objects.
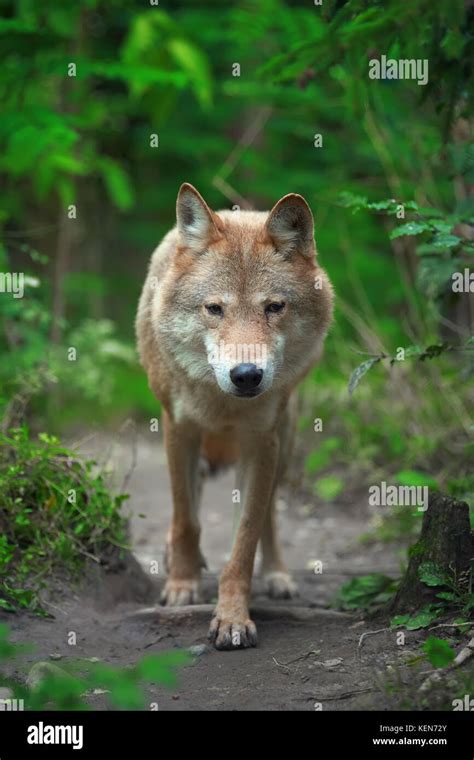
[{"x": 306, "y": 654}]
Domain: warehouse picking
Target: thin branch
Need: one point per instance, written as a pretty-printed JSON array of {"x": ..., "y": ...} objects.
[
  {"x": 344, "y": 695},
  {"x": 370, "y": 633}
]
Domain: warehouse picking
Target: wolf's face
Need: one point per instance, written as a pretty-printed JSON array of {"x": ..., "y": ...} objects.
[{"x": 245, "y": 304}]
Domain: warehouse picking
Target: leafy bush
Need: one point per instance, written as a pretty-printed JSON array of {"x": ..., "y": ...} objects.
[
  {"x": 90, "y": 374},
  {"x": 55, "y": 511},
  {"x": 438, "y": 652},
  {"x": 455, "y": 596},
  {"x": 367, "y": 591}
]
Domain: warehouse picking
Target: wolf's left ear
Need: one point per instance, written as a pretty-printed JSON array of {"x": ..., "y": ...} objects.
[
  {"x": 291, "y": 227},
  {"x": 196, "y": 222}
]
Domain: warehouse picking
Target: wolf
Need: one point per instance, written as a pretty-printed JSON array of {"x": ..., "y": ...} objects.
[{"x": 233, "y": 314}]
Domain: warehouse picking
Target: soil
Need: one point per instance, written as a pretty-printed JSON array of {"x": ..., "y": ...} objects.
[{"x": 308, "y": 655}]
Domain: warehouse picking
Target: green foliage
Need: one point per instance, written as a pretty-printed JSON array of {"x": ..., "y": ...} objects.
[
  {"x": 430, "y": 352},
  {"x": 70, "y": 686},
  {"x": 81, "y": 373},
  {"x": 321, "y": 457},
  {"x": 360, "y": 371},
  {"x": 85, "y": 139},
  {"x": 414, "y": 478},
  {"x": 55, "y": 510},
  {"x": 456, "y": 598},
  {"x": 458, "y": 595},
  {"x": 366, "y": 592},
  {"x": 329, "y": 487},
  {"x": 439, "y": 652},
  {"x": 56, "y": 145},
  {"x": 432, "y": 574},
  {"x": 421, "y": 619}
]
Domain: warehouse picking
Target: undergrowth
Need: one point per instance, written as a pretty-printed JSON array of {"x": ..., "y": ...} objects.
[{"x": 55, "y": 512}]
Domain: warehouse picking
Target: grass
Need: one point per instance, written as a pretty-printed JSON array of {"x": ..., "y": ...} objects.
[{"x": 55, "y": 512}]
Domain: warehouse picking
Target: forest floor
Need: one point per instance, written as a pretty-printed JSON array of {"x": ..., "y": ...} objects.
[{"x": 307, "y": 652}]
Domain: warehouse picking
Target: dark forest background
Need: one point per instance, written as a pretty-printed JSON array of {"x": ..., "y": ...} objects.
[{"x": 154, "y": 99}]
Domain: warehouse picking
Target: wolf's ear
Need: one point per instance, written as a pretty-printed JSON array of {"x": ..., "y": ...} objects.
[
  {"x": 196, "y": 222},
  {"x": 291, "y": 227}
]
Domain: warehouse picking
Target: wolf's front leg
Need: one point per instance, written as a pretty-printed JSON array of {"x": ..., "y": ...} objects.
[
  {"x": 184, "y": 559},
  {"x": 231, "y": 628}
]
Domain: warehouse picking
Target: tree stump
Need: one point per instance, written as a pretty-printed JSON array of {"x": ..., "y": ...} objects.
[{"x": 447, "y": 540}]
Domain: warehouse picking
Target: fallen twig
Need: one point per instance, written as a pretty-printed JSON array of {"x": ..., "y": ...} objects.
[
  {"x": 344, "y": 695},
  {"x": 296, "y": 659},
  {"x": 369, "y": 633}
]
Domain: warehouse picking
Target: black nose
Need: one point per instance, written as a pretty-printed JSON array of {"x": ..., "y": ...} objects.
[{"x": 246, "y": 377}]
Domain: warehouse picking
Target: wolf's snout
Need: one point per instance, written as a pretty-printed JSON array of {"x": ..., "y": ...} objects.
[{"x": 246, "y": 377}]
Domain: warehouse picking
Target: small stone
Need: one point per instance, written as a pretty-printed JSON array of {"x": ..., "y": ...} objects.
[
  {"x": 333, "y": 663},
  {"x": 198, "y": 649},
  {"x": 42, "y": 670}
]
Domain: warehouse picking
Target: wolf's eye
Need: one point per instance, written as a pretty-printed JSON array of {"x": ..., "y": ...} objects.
[
  {"x": 214, "y": 308},
  {"x": 275, "y": 308}
]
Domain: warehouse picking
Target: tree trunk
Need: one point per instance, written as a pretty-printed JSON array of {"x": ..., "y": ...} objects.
[{"x": 446, "y": 540}]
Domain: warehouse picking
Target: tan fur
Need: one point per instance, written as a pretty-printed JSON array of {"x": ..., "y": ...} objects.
[
  {"x": 241, "y": 261},
  {"x": 219, "y": 449}
]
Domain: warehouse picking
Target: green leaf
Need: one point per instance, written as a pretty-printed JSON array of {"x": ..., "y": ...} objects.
[
  {"x": 410, "y": 228},
  {"x": 349, "y": 200},
  {"x": 432, "y": 574},
  {"x": 439, "y": 653},
  {"x": 127, "y": 695},
  {"x": 117, "y": 183},
  {"x": 399, "y": 620},
  {"x": 160, "y": 668},
  {"x": 359, "y": 373},
  {"x": 422, "y": 619},
  {"x": 365, "y": 591},
  {"x": 195, "y": 64},
  {"x": 445, "y": 241}
]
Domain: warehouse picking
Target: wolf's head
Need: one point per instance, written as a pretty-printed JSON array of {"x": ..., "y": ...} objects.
[{"x": 244, "y": 303}]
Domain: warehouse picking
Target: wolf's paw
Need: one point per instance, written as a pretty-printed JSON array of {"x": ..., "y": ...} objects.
[
  {"x": 177, "y": 593},
  {"x": 232, "y": 634},
  {"x": 280, "y": 585}
]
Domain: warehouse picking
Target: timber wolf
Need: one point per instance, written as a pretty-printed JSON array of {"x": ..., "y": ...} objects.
[{"x": 233, "y": 313}]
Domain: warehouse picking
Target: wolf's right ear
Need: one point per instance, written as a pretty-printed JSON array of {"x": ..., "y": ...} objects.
[
  {"x": 197, "y": 224},
  {"x": 291, "y": 226}
]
